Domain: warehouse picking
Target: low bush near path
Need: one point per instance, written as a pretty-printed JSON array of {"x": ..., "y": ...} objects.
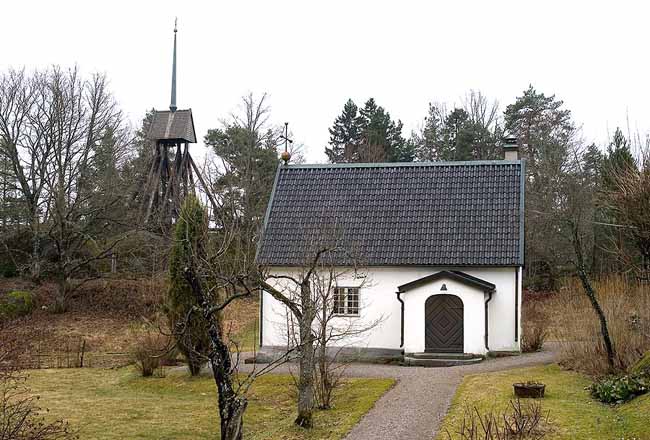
[{"x": 620, "y": 389}]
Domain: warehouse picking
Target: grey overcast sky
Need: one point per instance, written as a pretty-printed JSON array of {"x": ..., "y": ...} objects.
[{"x": 312, "y": 56}]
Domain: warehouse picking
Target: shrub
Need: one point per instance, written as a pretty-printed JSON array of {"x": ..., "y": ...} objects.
[
  {"x": 15, "y": 304},
  {"x": 150, "y": 349},
  {"x": 620, "y": 389},
  {"x": 519, "y": 421},
  {"x": 189, "y": 326},
  {"x": 575, "y": 326},
  {"x": 8, "y": 269},
  {"x": 20, "y": 416},
  {"x": 534, "y": 326},
  {"x": 533, "y": 337}
]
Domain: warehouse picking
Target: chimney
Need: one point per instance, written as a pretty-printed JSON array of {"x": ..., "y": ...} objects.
[{"x": 511, "y": 148}]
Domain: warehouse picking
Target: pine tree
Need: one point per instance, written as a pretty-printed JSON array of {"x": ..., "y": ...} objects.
[
  {"x": 543, "y": 127},
  {"x": 457, "y": 137},
  {"x": 545, "y": 132},
  {"x": 248, "y": 149}
]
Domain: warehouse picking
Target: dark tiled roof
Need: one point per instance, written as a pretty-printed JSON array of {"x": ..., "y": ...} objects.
[
  {"x": 168, "y": 125},
  {"x": 425, "y": 214}
]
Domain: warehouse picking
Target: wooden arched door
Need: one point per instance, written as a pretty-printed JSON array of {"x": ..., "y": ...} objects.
[{"x": 443, "y": 324}]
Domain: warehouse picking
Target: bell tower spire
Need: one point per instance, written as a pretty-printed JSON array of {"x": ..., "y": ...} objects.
[{"x": 172, "y": 106}]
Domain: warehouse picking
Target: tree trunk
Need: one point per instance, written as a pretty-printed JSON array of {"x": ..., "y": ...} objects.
[
  {"x": 61, "y": 298},
  {"x": 324, "y": 385},
  {"x": 195, "y": 363},
  {"x": 589, "y": 290},
  {"x": 591, "y": 293},
  {"x": 306, "y": 380},
  {"x": 35, "y": 260},
  {"x": 231, "y": 405},
  {"x": 306, "y": 363}
]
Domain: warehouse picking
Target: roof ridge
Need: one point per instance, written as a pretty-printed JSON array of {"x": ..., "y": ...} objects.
[{"x": 405, "y": 164}]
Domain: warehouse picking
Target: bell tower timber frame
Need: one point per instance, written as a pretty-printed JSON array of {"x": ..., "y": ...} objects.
[{"x": 171, "y": 175}]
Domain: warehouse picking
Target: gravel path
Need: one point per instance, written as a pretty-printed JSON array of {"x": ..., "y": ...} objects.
[{"x": 416, "y": 405}]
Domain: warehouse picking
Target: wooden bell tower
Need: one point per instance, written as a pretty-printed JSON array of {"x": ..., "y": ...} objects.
[{"x": 171, "y": 176}]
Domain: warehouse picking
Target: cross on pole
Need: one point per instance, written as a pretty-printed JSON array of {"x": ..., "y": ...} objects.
[{"x": 285, "y": 154}]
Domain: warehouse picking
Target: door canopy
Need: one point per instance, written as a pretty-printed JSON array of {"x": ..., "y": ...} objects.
[{"x": 456, "y": 275}]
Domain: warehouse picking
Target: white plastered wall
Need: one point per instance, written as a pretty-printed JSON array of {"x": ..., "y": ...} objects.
[{"x": 378, "y": 303}]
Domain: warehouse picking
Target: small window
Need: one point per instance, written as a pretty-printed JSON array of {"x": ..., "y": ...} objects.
[{"x": 346, "y": 301}]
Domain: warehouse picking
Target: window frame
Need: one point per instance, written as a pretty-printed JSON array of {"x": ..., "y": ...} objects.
[{"x": 350, "y": 302}]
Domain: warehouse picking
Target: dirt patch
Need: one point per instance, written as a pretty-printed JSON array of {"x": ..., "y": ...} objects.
[
  {"x": 104, "y": 318},
  {"x": 240, "y": 315}
]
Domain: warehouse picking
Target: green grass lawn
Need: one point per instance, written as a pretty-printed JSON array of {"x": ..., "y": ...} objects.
[
  {"x": 118, "y": 404},
  {"x": 573, "y": 413}
]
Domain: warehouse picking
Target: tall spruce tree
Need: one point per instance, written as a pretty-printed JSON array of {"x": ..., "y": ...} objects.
[
  {"x": 427, "y": 142},
  {"x": 617, "y": 163},
  {"x": 345, "y": 135},
  {"x": 617, "y": 160},
  {"x": 370, "y": 136},
  {"x": 457, "y": 137},
  {"x": 137, "y": 164}
]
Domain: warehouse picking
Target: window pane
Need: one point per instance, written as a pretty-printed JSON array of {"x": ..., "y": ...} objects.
[
  {"x": 346, "y": 301},
  {"x": 339, "y": 301},
  {"x": 353, "y": 301}
]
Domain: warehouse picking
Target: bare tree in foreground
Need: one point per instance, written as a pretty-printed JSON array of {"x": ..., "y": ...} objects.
[
  {"x": 576, "y": 222},
  {"x": 216, "y": 279},
  {"x": 303, "y": 292},
  {"x": 338, "y": 325}
]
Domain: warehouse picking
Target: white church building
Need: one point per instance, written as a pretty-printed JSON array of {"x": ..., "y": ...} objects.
[{"x": 440, "y": 247}]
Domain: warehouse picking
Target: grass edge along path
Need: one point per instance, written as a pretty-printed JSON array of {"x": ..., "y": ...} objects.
[
  {"x": 113, "y": 404},
  {"x": 573, "y": 413}
]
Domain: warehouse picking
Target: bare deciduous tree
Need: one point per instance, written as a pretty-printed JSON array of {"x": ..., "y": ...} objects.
[
  {"x": 339, "y": 324},
  {"x": 629, "y": 200},
  {"x": 218, "y": 275},
  {"x": 22, "y": 116},
  {"x": 52, "y": 124},
  {"x": 306, "y": 293}
]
